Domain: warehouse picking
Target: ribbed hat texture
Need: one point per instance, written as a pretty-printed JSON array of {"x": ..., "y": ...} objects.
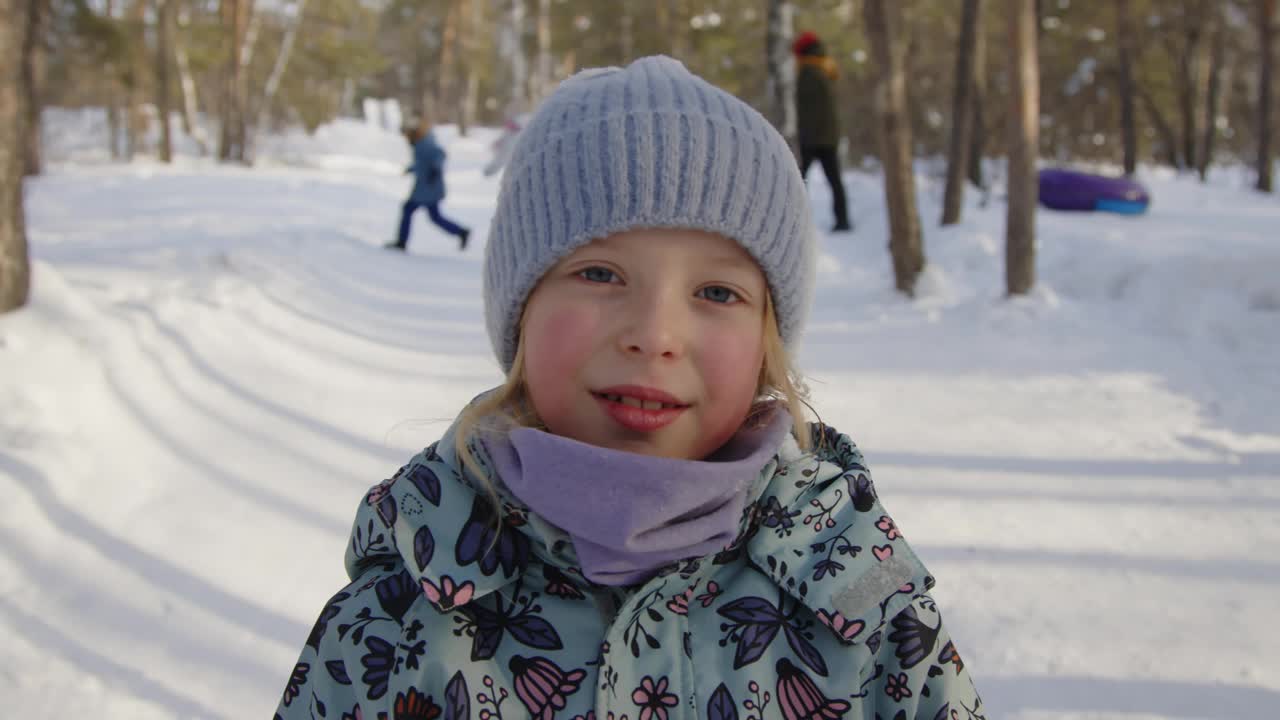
[{"x": 646, "y": 146}]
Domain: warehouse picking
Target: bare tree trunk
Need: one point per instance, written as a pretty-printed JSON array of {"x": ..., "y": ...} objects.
[
  {"x": 627, "y": 36},
  {"x": 961, "y": 113},
  {"x": 113, "y": 107},
  {"x": 237, "y": 15},
  {"x": 1128, "y": 118},
  {"x": 978, "y": 127},
  {"x": 884, "y": 27},
  {"x": 164, "y": 41},
  {"x": 1266, "y": 37},
  {"x": 781, "y": 86},
  {"x": 678, "y": 37},
  {"x": 252, "y": 22},
  {"x": 1188, "y": 63},
  {"x": 545, "y": 64},
  {"x": 1167, "y": 137},
  {"x": 33, "y": 72},
  {"x": 1217, "y": 59},
  {"x": 135, "y": 119},
  {"x": 1024, "y": 114},
  {"x": 445, "y": 80},
  {"x": 15, "y": 268},
  {"x": 473, "y": 14},
  {"x": 662, "y": 21},
  {"x": 230, "y": 10},
  {"x": 190, "y": 100}
]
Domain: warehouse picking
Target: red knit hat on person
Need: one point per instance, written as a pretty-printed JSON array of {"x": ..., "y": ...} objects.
[{"x": 806, "y": 40}]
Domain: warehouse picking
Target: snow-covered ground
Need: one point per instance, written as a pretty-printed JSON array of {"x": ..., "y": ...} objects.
[{"x": 217, "y": 362}]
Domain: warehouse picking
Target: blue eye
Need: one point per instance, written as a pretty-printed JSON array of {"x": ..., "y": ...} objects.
[
  {"x": 719, "y": 294},
  {"x": 597, "y": 274}
]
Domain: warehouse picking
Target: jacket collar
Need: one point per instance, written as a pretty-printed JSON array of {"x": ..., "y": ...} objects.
[
  {"x": 824, "y": 537},
  {"x": 814, "y": 526},
  {"x": 436, "y": 518}
]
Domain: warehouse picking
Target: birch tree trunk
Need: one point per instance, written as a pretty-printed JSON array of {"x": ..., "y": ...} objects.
[
  {"x": 883, "y": 19},
  {"x": 961, "y": 112},
  {"x": 1024, "y": 126},
  {"x": 15, "y": 268},
  {"x": 277, "y": 74},
  {"x": 1128, "y": 119},
  {"x": 190, "y": 99},
  {"x": 513, "y": 48},
  {"x": 781, "y": 85}
]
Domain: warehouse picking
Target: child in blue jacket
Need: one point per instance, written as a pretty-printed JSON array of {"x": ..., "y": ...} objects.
[
  {"x": 428, "y": 188},
  {"x": 639, "y": 524}
]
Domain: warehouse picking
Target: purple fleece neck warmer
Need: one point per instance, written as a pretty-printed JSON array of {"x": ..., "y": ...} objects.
[{"x": 630, "y": 514}]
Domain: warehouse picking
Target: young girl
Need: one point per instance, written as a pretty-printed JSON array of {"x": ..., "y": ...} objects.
[{"x": 638, "y": 524}]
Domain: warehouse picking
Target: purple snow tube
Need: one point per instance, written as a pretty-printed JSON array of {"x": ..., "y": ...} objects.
[{"x": 1073, "y": 190}]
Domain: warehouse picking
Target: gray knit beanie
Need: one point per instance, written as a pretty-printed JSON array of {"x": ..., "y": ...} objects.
[{"x": 646, "y": 146}]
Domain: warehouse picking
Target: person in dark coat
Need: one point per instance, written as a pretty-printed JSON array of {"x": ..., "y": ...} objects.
[
  {"x": 817, "y": 122},
  {"x": 428, "y": 188}
]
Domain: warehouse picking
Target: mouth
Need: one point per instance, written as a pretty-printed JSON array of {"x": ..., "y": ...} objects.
[{"x": 639, "y": 408}]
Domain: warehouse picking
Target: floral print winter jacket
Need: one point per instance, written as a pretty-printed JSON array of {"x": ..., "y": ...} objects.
[{"x": 817, "y": 611}]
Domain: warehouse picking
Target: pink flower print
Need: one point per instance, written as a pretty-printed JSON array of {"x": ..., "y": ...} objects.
[
  {"x": 800, "y": 698},
  {"x": 542, "y": 686},
  {"x": 653, "y": 698},
  {"x": 888, "y": 527},
  {"x": 448, "y": 595},
  {"x": 896, "y": 687},
  {"x": 713, "y": 592},
  {"x": 845, "y": 628},
  {"x": 680, "y": 603}
]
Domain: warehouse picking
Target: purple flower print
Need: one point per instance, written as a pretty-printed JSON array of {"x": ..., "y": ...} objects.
[
  {"x": 653, "y": 698},
  {"x": 543, "y": 686},
  {"x": 800, "y": 699},
  {"x": 896, "y": 687}
]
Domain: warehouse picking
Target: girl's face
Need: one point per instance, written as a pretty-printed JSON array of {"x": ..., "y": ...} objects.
[{"x": 648, "y": 341}]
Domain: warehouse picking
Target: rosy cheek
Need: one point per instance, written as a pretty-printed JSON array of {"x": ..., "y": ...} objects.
[
  {"x": 559, "y": 343},
  {"x": 730, "y": 363}
]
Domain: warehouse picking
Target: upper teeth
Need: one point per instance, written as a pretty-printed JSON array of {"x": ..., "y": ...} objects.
[{"x": 636, "y": 402}]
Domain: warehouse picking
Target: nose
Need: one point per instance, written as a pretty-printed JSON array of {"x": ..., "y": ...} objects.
[{"x": 656, "y": 325}]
